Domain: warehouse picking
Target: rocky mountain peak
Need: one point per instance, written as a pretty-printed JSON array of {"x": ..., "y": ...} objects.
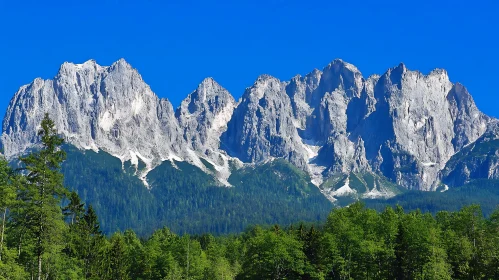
[
  {"x": 403, "y": 124},
  {"x": 205, "y": 113},
  {"x": 341, "y": 76}
]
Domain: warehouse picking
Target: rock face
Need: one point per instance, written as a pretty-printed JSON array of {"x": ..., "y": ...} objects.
[
  {"x": 94, "y": 107},
  {"x": 403, "y": 125},
  {"x": 478, "y": 160},
  {"x": 113, "y": 109},
  {"x": 203, "y": 117},
  {"x": 262, "y": 126}
]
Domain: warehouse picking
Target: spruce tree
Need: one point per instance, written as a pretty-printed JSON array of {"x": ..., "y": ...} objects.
[
  {"x": 92, "y": 241},
  {"x": 42, "y": 192},
  {"x": 75, "y": 209}
]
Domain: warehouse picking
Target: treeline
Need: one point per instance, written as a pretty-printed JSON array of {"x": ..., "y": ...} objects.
[
  {"x": 275, "y": 192},
  {"x": 484, "y": 192},
  {"x": 49, "y": 233}
]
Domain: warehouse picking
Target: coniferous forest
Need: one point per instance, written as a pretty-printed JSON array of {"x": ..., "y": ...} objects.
[{"x": 48, "y": 232}]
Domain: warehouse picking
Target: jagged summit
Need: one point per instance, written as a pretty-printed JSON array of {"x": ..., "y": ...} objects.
[
  {"x": 339, "y": 63},
  {"x": 403, "y": 125}
]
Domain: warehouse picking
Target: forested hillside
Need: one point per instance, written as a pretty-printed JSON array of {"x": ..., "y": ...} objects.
[
  {"x": 48, "y": 232},
  {"x": 194, "y": 203},
  {"x": 483, "y": 192}
]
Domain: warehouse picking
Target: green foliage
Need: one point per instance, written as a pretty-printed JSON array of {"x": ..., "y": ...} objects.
[
  {"x": 7, "y": 198},
  {"x": 47, "y": 239},
  {"x": 188, "y": 199},
  {"x": 482, "y": 192},
  {"x": 40, "y": 194},
  {"x": 273, "y": 254}
]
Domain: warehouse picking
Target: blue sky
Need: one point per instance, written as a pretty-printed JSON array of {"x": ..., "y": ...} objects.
[{"x": 175, "y": 44}]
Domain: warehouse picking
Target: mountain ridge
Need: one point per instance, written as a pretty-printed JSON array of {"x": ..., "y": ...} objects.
[{"x": 403, "y": 124}]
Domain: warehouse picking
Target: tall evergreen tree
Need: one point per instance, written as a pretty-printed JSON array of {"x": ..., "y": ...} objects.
[
  {"x": 42, "y": 193},
  {"x": 91, "y": 240},
  {"x": 75, "y": 209},
  {"x": 119, "y": 264}
]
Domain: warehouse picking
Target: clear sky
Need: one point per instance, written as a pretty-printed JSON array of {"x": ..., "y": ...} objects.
[{"x": 176, "y": 43}]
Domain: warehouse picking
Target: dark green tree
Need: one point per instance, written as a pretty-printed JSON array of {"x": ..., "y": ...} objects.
[
  {"x": 117, "y": 257},
  {"x": 42, "y": 192},
  {"x": 91, "y": 243},
  {"x": 75, "y": 209}
]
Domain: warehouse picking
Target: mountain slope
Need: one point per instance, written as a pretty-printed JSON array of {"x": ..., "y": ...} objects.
[
  {"x": 193, "y": 203},
  {"x": 402, "y": 125},
  {"x": 478, "y": 160}
]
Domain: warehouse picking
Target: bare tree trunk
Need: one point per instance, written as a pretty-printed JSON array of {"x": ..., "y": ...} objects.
[
  {"x": 3, "y": 231},
  {"x": 39, "y": 266},
  {"x": 39, "y": 253},
  {"x": 20, "y": 245}
]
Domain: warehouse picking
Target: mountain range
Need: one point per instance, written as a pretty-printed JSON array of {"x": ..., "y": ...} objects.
[{"x": 350, "y": 135}]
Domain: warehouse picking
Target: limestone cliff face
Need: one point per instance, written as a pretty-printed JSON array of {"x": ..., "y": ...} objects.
[
  {"x": 478, "y": 160},
  {"x": 404, "y": 125},
  {"x": 94, "y": 107},
  {"x": 262, "y": 126}
]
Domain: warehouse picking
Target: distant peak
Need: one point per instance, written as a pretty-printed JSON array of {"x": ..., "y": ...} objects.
[
  {"x": 316, "y": 72},
  {"x": 210, "y": 84},
  {"x": 265, "y": 77},
  {"x": 90, "y": 61},
  {"x": 438, "y": 71},
  {"x": 401, "y": 67},
  {"x": 209, "y": 81},
  {"x": 208, "y": 88},
  {"x": 398, "y": 70},
  {"x": 340, "y": 63},
  {"x": 374, "y": 77},
  {"x": 68, "y": 67},
  {"x": 121, "y": 62}
]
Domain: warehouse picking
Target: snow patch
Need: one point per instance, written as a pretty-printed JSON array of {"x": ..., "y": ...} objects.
[
  {"x": 92, "y": 146},
  {"x": 375, "y": 193},
  {"x": 221, "y": 119},
  {"x": 106, "y": 121},
  {"x": 329, "y": 196},
  {"x": 312, "y": 151},
  {"x": 137, "y": 105},
  {"x": 428, "y": 164},
  {"x": 314, "y": 170},
  {"x": 134, "y": 158},
  {"x": 345, "y": 189},
  {"x": 222, "y": 171},
  {"x": 171, "y": 156}
]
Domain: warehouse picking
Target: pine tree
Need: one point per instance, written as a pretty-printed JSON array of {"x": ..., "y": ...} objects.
[
  {"x": 118, "y": 258},
  {"x": 91, "y": 242},
  {"x": 75, "y": 208},
  {"x": 42, "y": 192}
]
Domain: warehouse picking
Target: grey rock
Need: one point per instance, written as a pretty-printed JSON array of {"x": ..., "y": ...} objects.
[
  {"x": 478, "y": 160},
  {"x": 204, "y": 115},
  {"x": 404, "y": 125},
  {"x": 263, "y": 125},
  {"x": 109, "y": 108}
]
